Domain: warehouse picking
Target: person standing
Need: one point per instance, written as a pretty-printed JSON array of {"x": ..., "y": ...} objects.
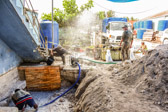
[{"x": 127, "y": 41}]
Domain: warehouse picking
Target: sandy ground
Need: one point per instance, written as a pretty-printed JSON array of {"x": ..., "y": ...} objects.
[{"x": 64, "y": 104}]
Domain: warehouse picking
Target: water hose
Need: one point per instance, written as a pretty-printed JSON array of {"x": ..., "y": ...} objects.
[
  {"x": 65, "y": 91},
  {"x": 98, "y": 61}
]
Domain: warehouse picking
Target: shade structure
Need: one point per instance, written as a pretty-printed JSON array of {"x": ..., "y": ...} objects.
[{"x": 122, "y": 1}]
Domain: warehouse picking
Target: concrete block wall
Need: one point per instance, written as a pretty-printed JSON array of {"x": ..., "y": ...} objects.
[
  {"x": 70, "y": 74},
  {"x": 8, "y": 58}
]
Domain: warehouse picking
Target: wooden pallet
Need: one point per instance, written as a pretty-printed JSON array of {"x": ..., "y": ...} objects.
[{"x": 42, "y": 78}]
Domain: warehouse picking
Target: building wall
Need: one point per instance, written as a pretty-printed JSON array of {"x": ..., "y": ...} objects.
[{"x": 8, "y": 58}]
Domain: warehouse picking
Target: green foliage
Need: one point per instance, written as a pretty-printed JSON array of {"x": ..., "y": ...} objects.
[
  {"x": 70, "y": 6},
  {"x": 87, "y": 6},
  {"x": 65, "y": 17},
  {"x": 102, "y": 14},
  {"x": 132, "y": 19},
  {"x": 110, "y": 13}
]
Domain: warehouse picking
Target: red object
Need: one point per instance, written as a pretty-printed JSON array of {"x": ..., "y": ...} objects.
[
  {"x": 23, "y": 101},
  {"x": 81, "y": 50}
]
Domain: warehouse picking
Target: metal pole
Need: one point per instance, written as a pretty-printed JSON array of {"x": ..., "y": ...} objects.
[{"x": 52, "y": 23}]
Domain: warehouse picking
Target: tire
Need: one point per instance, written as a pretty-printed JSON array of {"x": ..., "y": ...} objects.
[{"x": 165, "y": 41}]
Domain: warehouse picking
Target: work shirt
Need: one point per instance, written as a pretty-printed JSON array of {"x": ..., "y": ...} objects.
[
  {"x": 127, "y": 37},
  {"x": 59, "y": 50},
  {"x": 21, "y": 96}
]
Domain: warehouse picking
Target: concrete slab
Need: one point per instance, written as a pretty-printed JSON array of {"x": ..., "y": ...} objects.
[
  {"x": 9, "y": 109},
  {"x": 9, "y": 82}
]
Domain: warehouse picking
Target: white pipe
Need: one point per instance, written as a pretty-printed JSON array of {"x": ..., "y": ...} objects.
[{"x": 52, "y": 23}]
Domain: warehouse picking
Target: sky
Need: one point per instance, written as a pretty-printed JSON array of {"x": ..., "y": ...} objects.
[{"x": 138, "y": 9}]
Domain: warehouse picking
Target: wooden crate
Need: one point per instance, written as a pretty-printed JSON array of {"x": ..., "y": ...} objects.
[{"x": 42, "y": 78}]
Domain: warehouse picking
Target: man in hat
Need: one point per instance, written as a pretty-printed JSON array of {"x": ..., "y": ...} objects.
[{"x": 127, "y": 41}]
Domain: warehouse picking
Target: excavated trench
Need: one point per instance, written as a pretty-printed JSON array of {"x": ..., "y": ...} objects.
[{"x": 136, "y": 86}]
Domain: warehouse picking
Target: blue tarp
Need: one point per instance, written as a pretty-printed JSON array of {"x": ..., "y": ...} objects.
[
  {"x": 107, "y": 20},
  {"x": 122, "y": 1}
]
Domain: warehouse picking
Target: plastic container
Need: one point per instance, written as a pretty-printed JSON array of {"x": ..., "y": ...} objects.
[
  {"x": 148, "y": 24},
  {"x": 140, "y": 34},
  {"x": 103, "y": 53},
  {"x": 108, "y": 56},
  {"x": 116, "y": 53},
  {"x": 47, "y": 30},
  {"x": 162, "y": 25},
  {"x": 135, "y": 25},
  {"x": 141, "y": 24},
  {"x": 138, "y": 25}
]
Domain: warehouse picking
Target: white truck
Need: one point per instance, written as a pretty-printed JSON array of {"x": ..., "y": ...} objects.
[{"x": 112, "y": 29}]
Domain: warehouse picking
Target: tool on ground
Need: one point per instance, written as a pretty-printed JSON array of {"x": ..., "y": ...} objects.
[
  {"x": 74, "y": 61},
  {"x": 4, "y": 99},
  {"x": 50, "y": 60}
]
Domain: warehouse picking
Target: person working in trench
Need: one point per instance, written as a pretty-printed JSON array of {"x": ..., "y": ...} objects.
[
  {"x": 59, "y": 51},
  {"x": 22, "y": 98},
  {"x": 126, "y": 43}
]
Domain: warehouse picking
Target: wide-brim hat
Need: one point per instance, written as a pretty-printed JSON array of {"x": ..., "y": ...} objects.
[{"x": 125, "y": 26}]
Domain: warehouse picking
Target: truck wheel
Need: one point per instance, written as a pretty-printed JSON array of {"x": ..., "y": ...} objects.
[{"x": 165, "y": 41}]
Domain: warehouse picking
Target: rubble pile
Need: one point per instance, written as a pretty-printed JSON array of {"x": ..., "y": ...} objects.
[{"x": 141, "y": 85}]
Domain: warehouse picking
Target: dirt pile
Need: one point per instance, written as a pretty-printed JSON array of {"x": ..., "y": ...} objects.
[
  {"x": 149, "y": 75},
  {"x": 138, "y": 86}
]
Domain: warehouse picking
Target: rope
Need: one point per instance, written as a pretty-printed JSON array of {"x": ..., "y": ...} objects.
[
  {"x": 65, "y": 91},
  {"x": 98, "y": 61}
]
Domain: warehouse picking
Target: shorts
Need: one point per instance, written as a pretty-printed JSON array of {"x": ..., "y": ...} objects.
[{"x": 26, "y": 102}]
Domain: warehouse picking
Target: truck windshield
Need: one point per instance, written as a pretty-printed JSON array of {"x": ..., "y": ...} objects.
[{"x": 116, "y": 25}]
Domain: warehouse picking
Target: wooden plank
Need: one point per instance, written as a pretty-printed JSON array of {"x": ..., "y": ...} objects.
[{"x": 42, "y": 78}]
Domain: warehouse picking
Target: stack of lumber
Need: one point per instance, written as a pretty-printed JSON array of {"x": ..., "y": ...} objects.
[{"x": 147, "y": 36}]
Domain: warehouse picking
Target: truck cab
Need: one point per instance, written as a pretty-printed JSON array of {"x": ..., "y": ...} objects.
[{"x": 112, "y": 31}]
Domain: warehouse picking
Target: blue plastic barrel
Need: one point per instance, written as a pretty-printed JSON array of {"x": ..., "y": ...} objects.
[
  {"x": 138, "y": 24},
  {"x": 47, "y": 31},
  {"x": 148, "y": 24},
  {"x": 162, "y": 25},
  {"x": 140, "y": 34},
  {"x": 141, "y": 24},
  {"x": 135, "y": 25}
]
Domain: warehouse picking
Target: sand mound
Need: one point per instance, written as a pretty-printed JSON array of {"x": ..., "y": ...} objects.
[{"x": 138, "y": 86}]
